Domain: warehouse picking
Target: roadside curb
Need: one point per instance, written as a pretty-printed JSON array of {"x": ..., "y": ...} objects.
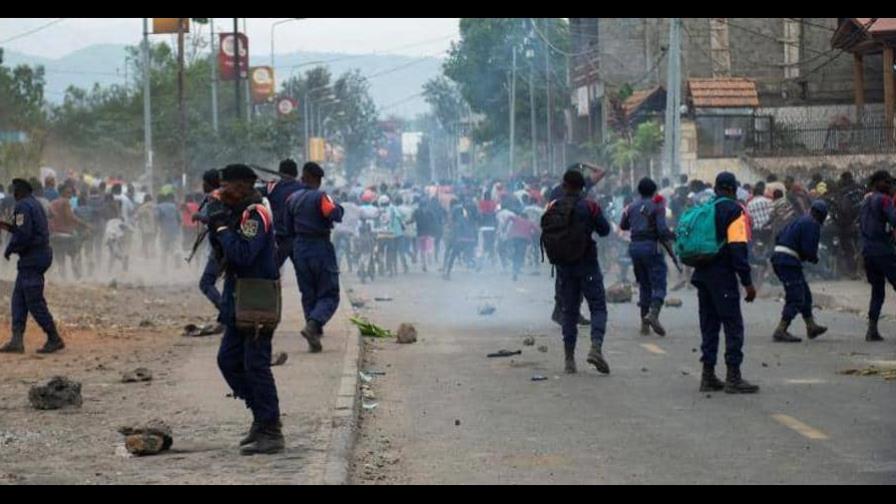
[{"x": 345, "y": 411}]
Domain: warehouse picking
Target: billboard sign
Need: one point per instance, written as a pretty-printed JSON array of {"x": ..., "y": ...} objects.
[
  {"x": 225, "y": 56},
  {"x": 261, "y": 79},
  {"x": 169, "y": 25}
]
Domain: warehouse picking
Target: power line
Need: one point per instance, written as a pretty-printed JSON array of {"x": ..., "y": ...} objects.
[
  {"x": 35, "y": 30},
  {"x": 387, "y": 52},
  {"x": 399, "y": 102}
]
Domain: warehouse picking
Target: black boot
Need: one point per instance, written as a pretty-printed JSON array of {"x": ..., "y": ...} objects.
[
  {"x": 557, "y": 316},
  {"x": 16, "y": 343},
  {"x": 312, "y": 333},
  {"x": 872, "y": 334},
  {"x": 596, "y": 358},
  {"x": 268, "y": 440},
  {"x": 54, "y": 343},
  {"x": 710, "y": 382},
  {"x": 569, "y": 359},
  {"x": 252, "y": 435},
  {"x": 583, "y": 321},
  {"x": 653, "y": 318},
  {"x": 814, "y": 330},
  {"x": 645, "y": 327},
  {"x": 734, "y": 384},
  {"x": 782, "y": 336}
]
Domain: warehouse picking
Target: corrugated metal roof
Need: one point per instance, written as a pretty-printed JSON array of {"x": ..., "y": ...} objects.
[
  {"x": 637, "y": 98},
  {"x": 723, "y": 92}
]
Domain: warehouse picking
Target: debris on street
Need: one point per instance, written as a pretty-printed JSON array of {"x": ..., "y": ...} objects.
[
  {"x": 369, "y": 406},
  {"x": 140, "y": 374},
  {"x": 529, "y": 340},
  {"x": 368, "y": 328},
  {"x": 539, "y": 378},
  {"x": 886, "y": 374},
  {"x": 487, "y": 309},
  {"x": 674, "y": 302},
  {"x": 543, "y": 348},
  {"x": 59, "y": 392},
  {"x": 279, "y": 359},
  {"x": 407, "y": 333},
  {"x": 147, "y": 439},
  {"x": 619, "y": 293},
  {"x": 504, "y": 353},
  {"x": 192, "y": 330}
]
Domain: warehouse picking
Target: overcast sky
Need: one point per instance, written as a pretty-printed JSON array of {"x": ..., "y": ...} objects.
[{"x": 407, "y": 36}]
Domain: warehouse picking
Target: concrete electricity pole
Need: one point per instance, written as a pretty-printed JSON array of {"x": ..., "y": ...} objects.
[
  {"x": 147, "y": 111},
  {"x": 547, "y": 72},
  {"x": 236, "y": 68},
  {"x": 182, "y": 112},
  {"x": 530, "y": 54},
  {"x": 512, "y": 110},
  {"x": 672, "y": 140},
  {"x": 214, "y": 65}
]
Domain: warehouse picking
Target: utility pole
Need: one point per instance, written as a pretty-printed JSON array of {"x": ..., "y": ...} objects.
[
  {"x": 512, "y": 110},
  {"x": 305, "y": 110},
  {"x": 236, "y": 67},
  {"x": 249, "y": 106},
  {"x": 547, "y": 72},
  {"x": 672, "y": 140},
  {"x": 182, "y": 112},
  {"x": 214, "y": 65},
  {"x": 531, "y": 54},
  {"x": 147, "y": 111}
]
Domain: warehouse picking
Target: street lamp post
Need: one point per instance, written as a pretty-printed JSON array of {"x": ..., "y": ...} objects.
[{"x": 272, "y": 35}]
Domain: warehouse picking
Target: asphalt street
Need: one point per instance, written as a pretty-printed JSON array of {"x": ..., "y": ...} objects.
[{"x": 449, "y": 414}]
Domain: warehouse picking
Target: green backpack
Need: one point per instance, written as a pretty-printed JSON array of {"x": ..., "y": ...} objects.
[{"x": 696, "y": 242}]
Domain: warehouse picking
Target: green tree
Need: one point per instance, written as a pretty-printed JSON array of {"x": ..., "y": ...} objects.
[{"x": 22, "y": 110}]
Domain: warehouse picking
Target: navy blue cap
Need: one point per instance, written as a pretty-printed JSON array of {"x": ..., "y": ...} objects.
[
  {"x": 237, "y": 172},
  {"x": 726, "y": 179},
  {"x": 820, "y": 206}
]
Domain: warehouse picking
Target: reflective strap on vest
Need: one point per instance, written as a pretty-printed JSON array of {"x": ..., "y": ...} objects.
[
  {"x": 263, "y": 211},
  {"x": 787, "y": 250}
]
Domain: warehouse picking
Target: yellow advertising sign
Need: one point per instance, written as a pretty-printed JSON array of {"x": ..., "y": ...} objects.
[
  {"x": 261, "y": 79},
  {"x": 169, "y": 25}
]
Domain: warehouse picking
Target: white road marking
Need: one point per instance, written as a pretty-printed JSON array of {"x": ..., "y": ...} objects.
[
  {"x": 652, "y": 348},
  {"x": 800, "y": 427},
  {"x": 805, "y": 381}
]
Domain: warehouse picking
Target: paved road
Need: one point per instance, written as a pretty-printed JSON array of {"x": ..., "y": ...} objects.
[{"x": 447, "y": 414}]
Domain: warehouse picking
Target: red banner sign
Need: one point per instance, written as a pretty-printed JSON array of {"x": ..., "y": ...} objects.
[{"x": 226, "y": 67}]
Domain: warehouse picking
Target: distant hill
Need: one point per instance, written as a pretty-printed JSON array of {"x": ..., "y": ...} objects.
[{"x": 402, "y": 76}]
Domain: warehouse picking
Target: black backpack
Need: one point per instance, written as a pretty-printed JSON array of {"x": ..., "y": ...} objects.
[{"x": 563, "y": 238}]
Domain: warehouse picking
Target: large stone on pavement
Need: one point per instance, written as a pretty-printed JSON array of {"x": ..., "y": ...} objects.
[
  {"x": 147, "y": 439},
  {"x": 138, "y": 375},
  {"x": 619, "y": 293},
  {"x": 407, "y": 333},
  {"x": 59, "y": 392}
]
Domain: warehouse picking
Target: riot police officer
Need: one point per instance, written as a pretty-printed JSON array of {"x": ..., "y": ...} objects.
[
  {"x": 877, "y": 218},
  {"x": 277, "y": 193},
  {"x": 211, "y": 183},
  {"x": 582, "y": 277},
  {"x": 798, "y": 242},
  {"x": 311, "y": 214},
  {"x": 718, "y": 294},
  {"x": 31, "y": 241},
  {"x": 646, "y": 219},
  {"x": 242, "y": 226}
]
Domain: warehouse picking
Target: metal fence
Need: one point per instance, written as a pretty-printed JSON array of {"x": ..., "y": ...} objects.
[{"x": 769, "y": 138}]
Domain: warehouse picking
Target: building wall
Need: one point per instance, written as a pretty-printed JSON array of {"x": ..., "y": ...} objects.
[{"x": 629, "y": 48}]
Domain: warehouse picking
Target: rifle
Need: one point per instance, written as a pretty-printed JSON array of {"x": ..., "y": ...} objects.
[{"x": 202, "y": 235}]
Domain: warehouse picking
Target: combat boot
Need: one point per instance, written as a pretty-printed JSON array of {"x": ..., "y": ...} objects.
[
  {"x": 814, "y": 330},
  {"x": 645, "y": 327},
  {"x": 312, "y": 333},
  {"x": 268, "y": 440},
  {"x": 570, "y": 360},
  {"x": 872, "y": 334},
  {"x": 597, "y": 359},
  {"x": 709, "y": 382},
  {"x": 54, "y": 343},
  {"x": 782, "y": 336},
  {"x": 557, "y": 316},
  {"x": 653, "y": 319},
  {"x": 734, "y": 384},
  {"x": 16, "y": 343},
  {"x": 252, "y": 435}
]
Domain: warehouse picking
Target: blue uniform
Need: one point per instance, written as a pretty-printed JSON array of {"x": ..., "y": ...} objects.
[
  {"x": 30, "y": 241},
  {"x": 646, "y": 219},
  {"x": 877, "y": 219},
  {"x": 797, "y": 242},
  {"x": 584, "y": 279},
  {"x": 245, "y": 358},
  {"x": 311, "y": 214},
  {"x": 277, "y": 194},
  {"x": 717, "y": 290}
]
